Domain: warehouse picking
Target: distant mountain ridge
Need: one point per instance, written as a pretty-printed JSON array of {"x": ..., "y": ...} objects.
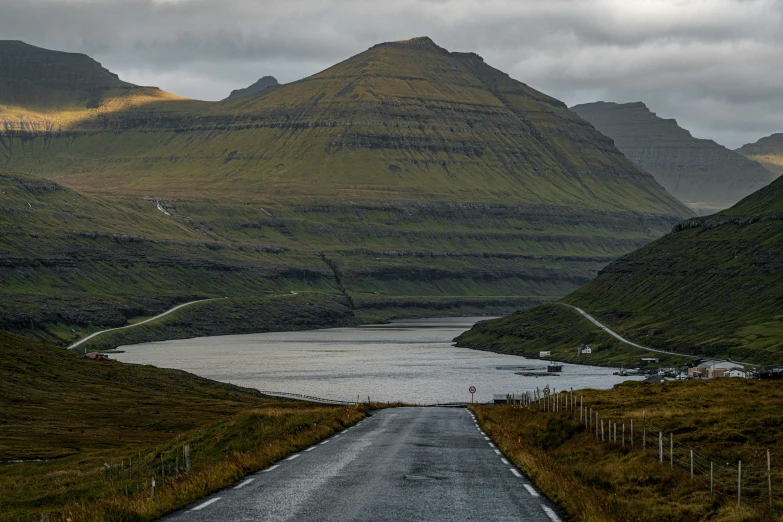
[
  {"x": 261, "y": 85},
  {"x": 703, "y": 174},
  {"x": 768, "y": 151}
]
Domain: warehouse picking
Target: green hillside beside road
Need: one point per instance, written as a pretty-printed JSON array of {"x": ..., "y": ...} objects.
[
  {"x": 69, "y": 429},
  {"x": 404, "y": 181},
  {"x": 712, "y": 288}
]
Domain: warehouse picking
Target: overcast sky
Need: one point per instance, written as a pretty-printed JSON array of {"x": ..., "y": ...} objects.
[{"x": 714, "y": 65}]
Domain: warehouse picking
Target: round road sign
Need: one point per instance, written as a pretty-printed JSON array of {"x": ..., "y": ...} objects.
[
  {"x": 546, "y": 390},
  {"x": 472, "y": 389}
]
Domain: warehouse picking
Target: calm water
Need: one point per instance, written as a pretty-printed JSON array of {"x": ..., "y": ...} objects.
[{"x": 411, "y": 360}]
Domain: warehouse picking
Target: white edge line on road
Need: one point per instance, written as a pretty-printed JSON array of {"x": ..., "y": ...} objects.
[
  {"x": 497, "y": 451},
  {"x": 311, "y": 448},
  {"x": 292, "y": 457},
  {"x": 504, "y": 461},
  {"x": 324, "y": 442},
  {"x": 550, "y": 513},
  {"x": 267, "y": 470},
  {"x": 516, "y": 473},
  {"x": 244, "y": 483},
  {"x": 486, "y": 438},
  {"x": 530, "y": 490},
  {"x": 205, "y": 504},
  {"x": 491, "y": 445}
]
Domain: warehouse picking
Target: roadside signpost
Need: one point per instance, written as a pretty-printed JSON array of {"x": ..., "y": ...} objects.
[{"x": 472, "y": 390}]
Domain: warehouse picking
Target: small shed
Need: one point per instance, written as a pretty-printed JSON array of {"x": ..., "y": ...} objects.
[
  {"x": 544, "y": 354},
  {"x": 584, "y": 349}
]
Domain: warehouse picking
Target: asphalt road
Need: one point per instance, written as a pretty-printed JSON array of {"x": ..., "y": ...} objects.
[{"x": 418, "y": 464}]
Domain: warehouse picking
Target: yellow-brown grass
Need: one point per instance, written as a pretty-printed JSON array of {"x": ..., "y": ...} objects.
[{"x": 725, "y": 420}]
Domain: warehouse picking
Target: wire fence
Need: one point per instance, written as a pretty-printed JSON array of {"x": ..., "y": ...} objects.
[
  {"x": 755, "y": 481},
  {"x": 134, "y": 476}
]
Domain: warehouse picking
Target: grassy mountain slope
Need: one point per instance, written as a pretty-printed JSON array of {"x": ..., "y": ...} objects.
[
  {"x": 713, "y": 287},
  {"x": 767, "y": 151},
  {"x": 62, "y": 419},
  {"x": 404, "y": 180},
  {"x": 706, "y": 176}
]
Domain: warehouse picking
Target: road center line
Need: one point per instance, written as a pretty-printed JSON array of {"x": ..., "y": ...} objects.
[
  {"x": 504, "y": 461},
  {"x": 515, "y": 472},
  {"x": 243, "y": 484},
  {"x": 491, "y": 445},
  {"x": 550, "y": 513},
  {"x": 530, "y": 490},
  {"x": 205, "y": 504},
  {"x": 292, "y": 457},
  {"x": 311, "y": 448},
  {"x": 497, "y": 451},
  {"x": 324, "y": 442},
  {"x": 267, "y": 470},
  {"x": 486, "y": 438}
]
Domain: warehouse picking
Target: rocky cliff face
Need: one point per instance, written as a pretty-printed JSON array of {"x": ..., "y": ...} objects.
[
  {"x": 706, "y": 176},
  {"x": 261, "y": 85},
  {"x": 767, "y": 151}
]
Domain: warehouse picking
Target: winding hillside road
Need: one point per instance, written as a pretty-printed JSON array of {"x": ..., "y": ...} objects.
[
  {"x": 167, "y": 312},
  {"x": 422, "y": 464},
  {"x": 626, "y": 341}
]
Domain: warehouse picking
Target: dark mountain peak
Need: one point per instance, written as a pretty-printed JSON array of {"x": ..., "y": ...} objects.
[
  {"x": 705, "y": 175},
  {"x": 20, "y": 61},
  {"x": 261, "y": 85}
]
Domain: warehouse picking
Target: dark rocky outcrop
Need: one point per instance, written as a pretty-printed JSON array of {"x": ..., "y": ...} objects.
[{"x": 261, "y": 85}]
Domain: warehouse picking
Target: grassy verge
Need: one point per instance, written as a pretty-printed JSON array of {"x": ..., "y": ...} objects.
[
  {"x": 724, "y": 420},
  {"x": 69, "y": 429}
]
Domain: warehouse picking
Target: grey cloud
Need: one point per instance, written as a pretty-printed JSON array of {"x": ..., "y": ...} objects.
[{"x": 711, "y": 64}]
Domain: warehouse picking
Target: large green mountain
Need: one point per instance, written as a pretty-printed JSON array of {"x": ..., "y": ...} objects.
[
  {"x": 406, "y": 179},
  {"x": 768, "y": 151},
  {"x": 711, "y": 288},
  {"x": 703, "y": 174}
]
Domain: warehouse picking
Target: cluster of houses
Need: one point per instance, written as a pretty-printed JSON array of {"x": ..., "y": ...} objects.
[{"x": 717, "y": 370}]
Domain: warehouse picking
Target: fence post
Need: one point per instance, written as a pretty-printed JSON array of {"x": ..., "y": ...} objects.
[
  {"x": 162, "y": 470},
  {"x": 615, "y": 433},
  {"x": 660, "y": 447},
  {"x": 644, "y": 432},
  {"x": 671, "y": 450},
  {"x": 739, "y": 482},
  {"x": 631, "y": 433},
  {"x": 691, "y": 463},
  {"x": 186, "y": 452},
  {"x": 603, "y": 437},
  {"x": 623, "y": 435},
  {"x": 581, "y": 406},
  {"x": 769, "y": 476}
]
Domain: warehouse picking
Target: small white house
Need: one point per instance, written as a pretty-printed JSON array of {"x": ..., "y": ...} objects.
[
  {"x": 737, "y": 373},
  {"x": 544, "y": 354},
  {"x": 583, "y": 349}
]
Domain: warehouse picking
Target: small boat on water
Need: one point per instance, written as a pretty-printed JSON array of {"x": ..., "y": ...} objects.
[
  {"x": 554, "y": 368},
  {"x": 537, "y": 374}
]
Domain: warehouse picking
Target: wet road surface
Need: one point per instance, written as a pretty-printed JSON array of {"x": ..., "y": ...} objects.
[{"x": 422, "y": 464}]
